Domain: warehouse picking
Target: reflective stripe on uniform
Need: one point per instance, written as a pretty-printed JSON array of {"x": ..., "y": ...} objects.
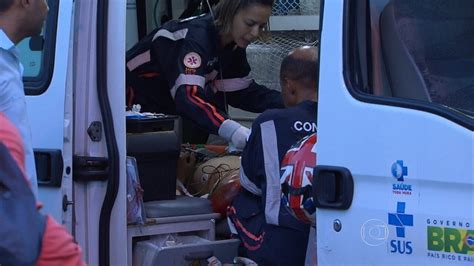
[
  {"x": 248, "y": 185},
  {"x": 185, "y": 79},
  {"x": 272, "y": 171},
  {"x": 234, "y": 84},
  {"x": 177, "y": 35},
  {"x": 139, "y": 60},
  {"x": 232, "y": 228}
]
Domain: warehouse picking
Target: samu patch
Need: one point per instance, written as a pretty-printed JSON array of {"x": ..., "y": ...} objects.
[
  {"x": 189, "y": 71},
  {"x": 192, "y": 60}
]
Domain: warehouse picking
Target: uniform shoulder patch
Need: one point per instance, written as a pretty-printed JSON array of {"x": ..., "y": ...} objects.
[{"x": 192, "y": 60}]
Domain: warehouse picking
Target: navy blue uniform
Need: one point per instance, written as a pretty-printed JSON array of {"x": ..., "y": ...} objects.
[
  {"x": 182, "y": 69},
  {"x": 270, "y": 234}
]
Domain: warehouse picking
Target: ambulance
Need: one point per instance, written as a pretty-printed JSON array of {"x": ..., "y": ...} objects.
[
  {"x": 395, "y": 151},
  {"x": 395, "y": 133}
]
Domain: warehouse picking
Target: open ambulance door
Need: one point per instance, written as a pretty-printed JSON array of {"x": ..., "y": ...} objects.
[
  {"x": 48, "y": 94},
  {"x": 99, "y": 130},
  {"x": 395, "y": 173},
  {"x": 74, "y": 79}
]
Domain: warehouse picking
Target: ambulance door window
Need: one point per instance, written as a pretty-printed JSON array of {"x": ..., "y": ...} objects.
[
  {"x": 415, "y": 54},
  {"x": 37, "y": 54}
]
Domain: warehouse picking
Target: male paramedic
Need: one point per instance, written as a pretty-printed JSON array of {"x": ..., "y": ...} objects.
[
  {"x": 269, "y": 233},
  {"x": 18, "y": 19}
]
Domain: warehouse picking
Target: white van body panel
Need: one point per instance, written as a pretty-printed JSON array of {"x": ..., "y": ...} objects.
[
  {"x": 90, "y": 195},
  {"x": 368, "y": 139},
  {"x": 51, "y": 119}
]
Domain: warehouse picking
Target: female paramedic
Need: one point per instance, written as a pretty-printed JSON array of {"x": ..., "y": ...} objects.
[{"x": 196, "y": 66}]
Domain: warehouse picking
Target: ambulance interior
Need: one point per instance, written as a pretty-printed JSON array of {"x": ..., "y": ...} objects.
[
  {"x": 186, "y": 187},
  {"x": 436, "y": 67}
]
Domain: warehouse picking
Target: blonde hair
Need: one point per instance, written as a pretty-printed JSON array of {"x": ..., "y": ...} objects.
[{"x": 225, "y": 11}]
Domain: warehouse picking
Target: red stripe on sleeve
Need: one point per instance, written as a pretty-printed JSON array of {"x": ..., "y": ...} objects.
[
  {"x": 197, "y": 103},
  {"x": 213, "y": 109}
]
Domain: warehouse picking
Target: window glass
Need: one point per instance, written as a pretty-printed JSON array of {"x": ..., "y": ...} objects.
[
  {"x": 37, "y": 54},
  {"x": 422, "y": 50},
  {"x": 31, "y": 60}
]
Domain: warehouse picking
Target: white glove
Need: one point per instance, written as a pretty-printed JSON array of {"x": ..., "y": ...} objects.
[{"x": 236, "y": 134}]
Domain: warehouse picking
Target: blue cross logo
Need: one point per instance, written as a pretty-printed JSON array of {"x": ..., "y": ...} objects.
[
  {"x": 400, "y": 219},
  {"x": 399, "y": 171}
]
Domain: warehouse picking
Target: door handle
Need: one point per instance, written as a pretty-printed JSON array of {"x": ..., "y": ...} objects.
[
  {"x": 49, "y": 167},
  {"x": 333, "y": 187}
]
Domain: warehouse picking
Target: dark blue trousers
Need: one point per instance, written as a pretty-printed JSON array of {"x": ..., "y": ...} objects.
[{"x": 264, "y": 243}]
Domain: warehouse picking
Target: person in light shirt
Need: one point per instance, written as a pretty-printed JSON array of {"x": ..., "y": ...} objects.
[{"x": 18, "y": 20}]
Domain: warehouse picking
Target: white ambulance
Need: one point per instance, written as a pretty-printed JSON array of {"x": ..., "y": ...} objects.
[
  {"x": 395, "y": 126},
  {"x": 395, "y": 133}
]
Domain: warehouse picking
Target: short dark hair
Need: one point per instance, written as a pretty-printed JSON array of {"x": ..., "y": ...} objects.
[
  {"x": 303, "y": 70},
  {"x": 5, "y": 5},
  {"x": 226, "y": 10}
]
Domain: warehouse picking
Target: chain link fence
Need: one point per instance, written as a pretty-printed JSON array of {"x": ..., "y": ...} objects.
[
  {"x": 265, "y": 56},
  {"x": 295, "y": 7}
]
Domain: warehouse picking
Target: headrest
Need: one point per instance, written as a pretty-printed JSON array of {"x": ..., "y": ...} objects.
[{"x": 428, "y": 49}]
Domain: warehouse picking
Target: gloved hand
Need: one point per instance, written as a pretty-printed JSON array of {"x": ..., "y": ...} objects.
[
  {"x": 239, "y": 139},
  {"x": 236, "y": 134}
]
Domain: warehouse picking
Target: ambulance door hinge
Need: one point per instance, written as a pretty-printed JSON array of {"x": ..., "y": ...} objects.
[
  {"x": 87, "y": 168},
  {"x": 95, "y": 131}
]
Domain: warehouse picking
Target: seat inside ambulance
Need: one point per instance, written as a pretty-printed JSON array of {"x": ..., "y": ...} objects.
[{"x": 428, "y": 50}]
